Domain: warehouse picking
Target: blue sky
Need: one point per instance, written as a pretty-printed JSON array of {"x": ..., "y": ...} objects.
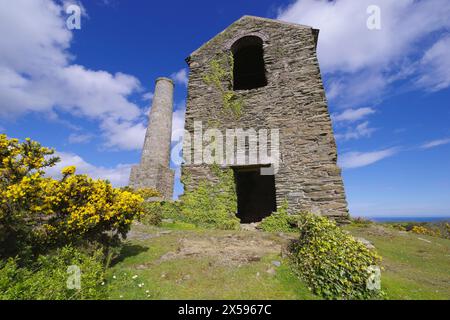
[{"x": 87, "y": 92}]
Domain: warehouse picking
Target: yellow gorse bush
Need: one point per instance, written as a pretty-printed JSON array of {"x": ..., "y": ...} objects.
[
  {"x": 82, "y": 205},
  {"x": 426, "y": 231},
  {"x": 53, "y": 211},
  {"x": 68, "y": 170}
]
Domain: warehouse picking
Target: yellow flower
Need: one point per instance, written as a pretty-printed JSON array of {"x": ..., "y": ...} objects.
[
  {"x": 68, "y": 170},
  {"x": 81, "y": 203}
]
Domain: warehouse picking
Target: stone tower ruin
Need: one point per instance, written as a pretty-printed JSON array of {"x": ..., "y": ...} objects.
[
  {"x": 263, "y": 74},
  {"x": 154, "y": 170}
]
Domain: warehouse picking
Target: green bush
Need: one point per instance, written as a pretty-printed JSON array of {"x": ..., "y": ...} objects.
[
  {"x": 171, "y": 210},
  {"x": 332, "y": 262},
  {"x": 155, "y": 212},
  {"x": 152, "y": 213},
  {"x": 47, "y": 277},
  {"x": 145, "y": 193},
  {"x": 361, "y": 222},
  {"x": 280, "y": 221},
  {"x": 212, "y": 205}
]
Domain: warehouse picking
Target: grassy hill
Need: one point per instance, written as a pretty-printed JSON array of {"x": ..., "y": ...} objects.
[
  {"x": 415, "y": 266},
  {"x": 182, "y": 262}
]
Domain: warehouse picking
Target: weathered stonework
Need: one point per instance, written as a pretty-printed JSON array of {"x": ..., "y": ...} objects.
[
  {"x": 154, "y": 171},
  {"x": 293, "y": 101}
]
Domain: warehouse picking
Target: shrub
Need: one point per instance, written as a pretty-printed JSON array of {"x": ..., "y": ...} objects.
[
  {"x": 361, "y": 222},
  {"x": 152, "y": 213},
  {"x": 332, "y": 262},
  {"x": 172, "y": 210},
  {"x": 280, "y": 221},
  {"x": 145, "y": 193},
  {"x": 148, "y": 193},
  {"x": 425, "y": 228},
  {"x": 397, "y": 226},
  {"x": 90, "y": 210},
  {"x": 418, "y": 229},
  {"x": 212, "y": 205},
  {"x": 155, "y": 212},
  {"x": 47, "y": 277},
  {"x": 38, "y": 213}
]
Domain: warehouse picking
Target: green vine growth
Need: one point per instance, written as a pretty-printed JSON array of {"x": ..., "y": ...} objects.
[
  {"x": 211, "y": 204},
  {"x": 221, "y": 77}
]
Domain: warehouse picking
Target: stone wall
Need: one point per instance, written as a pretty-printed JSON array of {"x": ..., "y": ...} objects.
[
  {"x": 153, "y": 175},
  {"x": 293, "y": 101}
]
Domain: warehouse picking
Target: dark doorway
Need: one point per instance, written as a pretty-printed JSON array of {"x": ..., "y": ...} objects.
[
  {"x": 249, "y": 69},
  {"x": 255, "y": 193}
]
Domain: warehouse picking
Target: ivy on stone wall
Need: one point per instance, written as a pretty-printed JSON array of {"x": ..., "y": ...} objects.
[
  {"x": 211, "y": 204},
  {"x": 220, "y": 76}
]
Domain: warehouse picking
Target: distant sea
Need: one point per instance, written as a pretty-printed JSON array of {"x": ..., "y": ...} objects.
[{"x": 408, "y": 219}]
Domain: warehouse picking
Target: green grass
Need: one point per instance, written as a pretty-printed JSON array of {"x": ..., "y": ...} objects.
[
  {"x": 178, "y": 225},
  {"x": 415, "y": 266},
  {"x": 197, "y": 277}
]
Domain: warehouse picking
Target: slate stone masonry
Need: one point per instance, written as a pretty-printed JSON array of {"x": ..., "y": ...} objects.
[
  {"x": 293, "y": 101},
  {"x": 154, "y": 171}
]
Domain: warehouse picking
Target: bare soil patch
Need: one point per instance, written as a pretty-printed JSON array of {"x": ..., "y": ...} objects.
[{"x": 226, "y": 249}]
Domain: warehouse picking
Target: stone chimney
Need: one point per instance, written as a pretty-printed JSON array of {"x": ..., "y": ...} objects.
[{"x": 154, "y": 170}]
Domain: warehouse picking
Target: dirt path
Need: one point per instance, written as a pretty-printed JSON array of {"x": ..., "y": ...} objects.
[
  {"x": 175, "y": 263},
  {"x": 227, "y": 248}
]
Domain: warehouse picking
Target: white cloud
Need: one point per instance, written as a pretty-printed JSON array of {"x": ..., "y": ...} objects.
[
  {"x": 128, "y": 135},
  {"x": 118, "y": 176},
  {"x": 435, "y": 66},
  {"x": 180, "y": 77},
  {"x": 345, "y": 42},
  {"x": 177, "y": 137},
  {"x": 362, "y": 63},
  {"x": 125, "y": 135},
  {"x": 147, "y": 96},
  {"x": 75, "y": 138},
  {"x": 360, "y": 131},
  {"x": 36, "y": 73},
  {"x": 178, "y": 123},
  {"x": 435, "y": 143},
  {"x": 352, "y": 115},
  {"x": 359, "y": 88},
  {"x": 361, "y": 159}
]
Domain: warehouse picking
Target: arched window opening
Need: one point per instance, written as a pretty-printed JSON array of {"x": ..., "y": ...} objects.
[{"x": 249, "y": 68}]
